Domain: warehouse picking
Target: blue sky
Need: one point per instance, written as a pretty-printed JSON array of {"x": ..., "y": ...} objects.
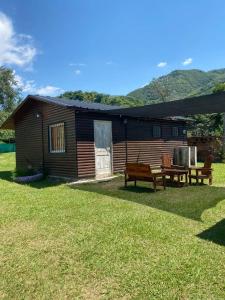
[{"x": 110, "y": 46}]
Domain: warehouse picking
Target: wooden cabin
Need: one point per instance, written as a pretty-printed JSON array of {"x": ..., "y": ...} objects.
[{"x": 75, "y": 139}]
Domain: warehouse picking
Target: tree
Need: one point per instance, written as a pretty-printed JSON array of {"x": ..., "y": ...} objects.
[
  {"x": 9, "y": 98},
  {"x": 160, "y": 89},
  {"x": 219, "y": 87},
  {"x": 9, "y": 92},
  {"x": 210, "y": 124},
  {"x": 101, "y": 98}
]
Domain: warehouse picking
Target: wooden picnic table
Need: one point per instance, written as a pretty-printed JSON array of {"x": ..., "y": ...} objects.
[{"x": 179, "y": 173}]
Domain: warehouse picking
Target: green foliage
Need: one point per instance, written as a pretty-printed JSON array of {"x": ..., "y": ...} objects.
[
  {"x": 181, "y": 84},
  {"x": 210, "y": 124},
  {"x": 5, "y": 134},
  {"x": 207, "y": 125},
  {"x": 9, "y": 92},
  {"x": 219, "y": 87},
  {"x": 9, "y": 98},
  {"x": 160, "y": 89},
  {"x": 101, "y": 98}
]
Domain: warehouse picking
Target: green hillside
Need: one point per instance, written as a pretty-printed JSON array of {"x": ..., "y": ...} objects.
[
  {"x": 180, "y": 84},
  {"x": 176, "y": 85}
]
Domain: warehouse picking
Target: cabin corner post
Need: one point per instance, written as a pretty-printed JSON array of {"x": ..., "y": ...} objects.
[
  {"x": 75, "y": 134},
  {"x": 42, "y": 141},
  {"x": 223, "y": 138},
  {"x": 126, "y": 147}
]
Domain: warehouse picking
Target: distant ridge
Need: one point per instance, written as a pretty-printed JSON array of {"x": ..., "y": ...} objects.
[{"x": 180, "y": 84}]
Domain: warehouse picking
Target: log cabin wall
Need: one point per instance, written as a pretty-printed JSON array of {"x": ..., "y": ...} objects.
[
  {"x": 32, "y": 139},
  {"x": 28, "y": 137},
  {"x": 60, "y": 164}
]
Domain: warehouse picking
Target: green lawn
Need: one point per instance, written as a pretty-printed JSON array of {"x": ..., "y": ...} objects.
[{"x": 100, "y": 241}]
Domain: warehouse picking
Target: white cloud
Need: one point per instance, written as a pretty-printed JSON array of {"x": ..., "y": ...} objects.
[
  {"x": 77, "y": 72},
  {"x": 77, "y": 65},
  {"x": 162, "y": 64},
  {"x": 15, "y": 49},
  {"x": 49, "y": 90},
  {"x": 109, "y": 63},
  {"x": 30, "y": 87},
  {"x": 187, "y": 61}
]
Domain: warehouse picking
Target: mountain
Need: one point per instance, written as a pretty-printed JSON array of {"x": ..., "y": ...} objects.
[{"x": 179, "y": 84}]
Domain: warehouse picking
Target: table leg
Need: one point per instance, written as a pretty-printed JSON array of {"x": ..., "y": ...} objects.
[
  {"x": 179, "y": 179},
  {"x": 186, "y": 178}
]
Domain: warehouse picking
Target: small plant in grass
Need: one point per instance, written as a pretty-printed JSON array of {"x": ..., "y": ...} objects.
[{"x": 27, "y": 175}]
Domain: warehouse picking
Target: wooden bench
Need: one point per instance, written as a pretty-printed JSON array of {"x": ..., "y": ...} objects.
[{"x": 142, "y": 172}]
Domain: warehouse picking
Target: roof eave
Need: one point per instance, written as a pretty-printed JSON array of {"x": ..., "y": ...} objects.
[{"x": 9, "y": 122}]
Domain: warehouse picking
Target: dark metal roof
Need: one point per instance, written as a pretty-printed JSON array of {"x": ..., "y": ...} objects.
[
  {"x": 174, "y": 110},
  {"x": 75, "y": 103},
  {"x": 82, "y": 105},
  {"x": 214, "y": 103}
]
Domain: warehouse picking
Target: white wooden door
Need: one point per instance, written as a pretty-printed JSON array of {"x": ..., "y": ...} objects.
[{"x": 103, "y": 148}]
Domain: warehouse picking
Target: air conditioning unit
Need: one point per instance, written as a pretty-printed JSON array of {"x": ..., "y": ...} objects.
[{"x": 185, "y": 156}]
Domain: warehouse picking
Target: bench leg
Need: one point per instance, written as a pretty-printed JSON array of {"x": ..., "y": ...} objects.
[
  {"x": 186, "y": 178},
  {"x": 135, "y": 183},
  {"x": 125, "y": 180},
  {"x": 164, "y": 182},
  {"x": 154, "y": 184},
  {"x": 210, "y": 180}
]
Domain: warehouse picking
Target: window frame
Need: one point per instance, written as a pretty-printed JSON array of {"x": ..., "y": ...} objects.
[
  {"x": 175, "y": 128},
  {"x": 160, "y": 131},
  {"x": 50, "y": 137}
]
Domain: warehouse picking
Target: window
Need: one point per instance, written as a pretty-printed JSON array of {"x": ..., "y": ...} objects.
[
  {"x": 57, "y": 138},
  {"x": 175, "y": 131},
  {"x": 156, "y": 131}
]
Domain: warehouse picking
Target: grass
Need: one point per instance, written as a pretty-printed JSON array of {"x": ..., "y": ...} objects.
[{"x": 100, "y": 241}]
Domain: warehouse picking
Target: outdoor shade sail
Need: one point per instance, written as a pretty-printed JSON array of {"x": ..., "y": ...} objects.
[{"x": 213, "y": 103}]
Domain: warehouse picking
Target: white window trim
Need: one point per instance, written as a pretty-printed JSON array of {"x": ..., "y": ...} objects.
[{"x": 50, "y": 138}]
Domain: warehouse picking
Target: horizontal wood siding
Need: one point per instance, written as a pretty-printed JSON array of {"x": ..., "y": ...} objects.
[
  {"x": 28, "y": 138},
  {"x": 60, "y": 164},
  {"x": 119, "y": 145},
  {"x": 85, "y": 143},
  {"x": 140, "y": 142},
  {"x": 29, "y": 146},
  {"x": 144, "y": 148}
]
